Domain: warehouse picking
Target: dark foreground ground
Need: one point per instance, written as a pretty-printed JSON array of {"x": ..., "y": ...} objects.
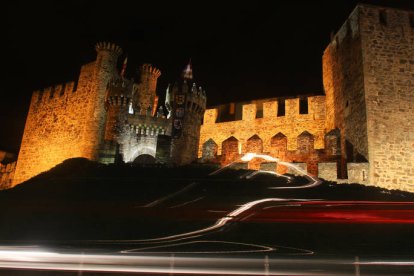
[{"x": 81, "y": 208}]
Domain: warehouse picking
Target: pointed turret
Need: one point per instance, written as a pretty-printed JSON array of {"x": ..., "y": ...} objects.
[{"x": 188, "y": 72}]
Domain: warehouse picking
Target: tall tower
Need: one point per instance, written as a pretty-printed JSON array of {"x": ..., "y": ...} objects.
[
  {"x": 118, "y": 104},
  {"x": 368, "y": 79},
  {"x": 145, "y": 95},
  {"x": 186, "y": 104},
  {"x": 105, "y": 70}
]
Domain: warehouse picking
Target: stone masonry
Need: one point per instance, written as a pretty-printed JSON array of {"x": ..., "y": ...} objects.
[
  {"x": 361, "y": 130},
  {"x": 368, "y": 73},
  {"x": 105, "y": 117}
]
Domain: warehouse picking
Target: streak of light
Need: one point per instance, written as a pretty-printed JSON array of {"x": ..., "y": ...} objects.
[
  {"x": 313, "y": 180},
  {"x": 160, "y": 200},
  {"x": 187, "y": 202},
  {"x": 259, "y": 248},
  {"x": 248, "y": 176},
  {"x": 386, "y": 263},
  {"x": 121, "y": 263}
]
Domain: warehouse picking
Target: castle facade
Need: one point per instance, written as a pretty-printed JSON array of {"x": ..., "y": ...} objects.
[
  {"x": 360, "y": 130},
  {"x": 109, "y": 118}
]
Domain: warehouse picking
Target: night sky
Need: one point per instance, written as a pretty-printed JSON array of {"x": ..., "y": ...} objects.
[{"x": 239, "y": 51}]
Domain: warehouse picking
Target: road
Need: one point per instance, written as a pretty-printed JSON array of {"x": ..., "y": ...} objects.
[{"x": 263, "y": 235}]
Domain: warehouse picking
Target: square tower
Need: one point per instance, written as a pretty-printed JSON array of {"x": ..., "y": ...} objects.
[{"x": 368, "y": 77}]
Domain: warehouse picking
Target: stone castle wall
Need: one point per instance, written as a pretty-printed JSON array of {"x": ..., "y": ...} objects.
[
  {"x": 291, "y": 125},
  {"x": 65, "y": 122},
  {"x": 368, "y": 71},
  {"x": 56, "y": 126},
  {"x": 7, "y": 175},
  {"x": 293, "y": 137},
  {"x": 387, "y": 37},
  {"x": 343, "y": 81}
]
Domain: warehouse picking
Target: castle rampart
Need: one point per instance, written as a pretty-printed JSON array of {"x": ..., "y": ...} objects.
[{"x": 292, "y": 124}]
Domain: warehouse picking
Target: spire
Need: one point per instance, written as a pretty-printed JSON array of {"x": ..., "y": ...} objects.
[
  {"x": 124, "y": 65},
  {"x": 188, "y": 72}
]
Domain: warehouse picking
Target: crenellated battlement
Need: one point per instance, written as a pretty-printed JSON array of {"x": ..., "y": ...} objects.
[
  {"x": 298, "y": 119},
  {"x": 143, "y": 124},
  {"x": 148, "y": 69},
  {"x": 53, "y": 93},
  {"x": 303, "y": 108},
  {"x": 119, "y": 100},
  {"x": 196, "y": 100},
  {"x": 108, "y": 46}
]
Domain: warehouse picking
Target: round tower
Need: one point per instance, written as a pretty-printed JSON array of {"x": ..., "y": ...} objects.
[
  {"x": 145, "y": 95},
  {"x": 104, "y": 70},
  {"x": 186, "y": 117}
]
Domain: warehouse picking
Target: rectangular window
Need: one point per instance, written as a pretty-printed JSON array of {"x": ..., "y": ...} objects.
[
  {"x": 259, "y": 110},
  {"x": 281, "y": 108},
  {"x": 303, "y": 106},
  {"x": 383, "y": 17},
  {"x": 232, "y": 108}
]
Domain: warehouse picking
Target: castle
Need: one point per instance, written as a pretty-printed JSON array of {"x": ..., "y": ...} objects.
[
  {"x": 107, "y": 117},
  {"x": 360, "y": 131}
]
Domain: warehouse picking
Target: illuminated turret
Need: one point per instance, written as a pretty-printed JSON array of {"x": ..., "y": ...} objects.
[
  {"x": 186, "y": 104},
  {"x": 145, "y": 91}
]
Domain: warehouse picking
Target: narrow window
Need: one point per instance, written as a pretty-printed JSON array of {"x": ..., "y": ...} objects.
[
  {"x": 280, "y": 108},
  {"x": 259, "y": 110},
  {"x": 62, "y": 90},
  {"x": 412, "y": 21},
  {"x": 383, "y": 17},
  {"x": 364, "y": 175},
  {"x": 232, "y": 108},
  {"x": 52, "y": 92},
  {"x": 303, "y": 106}
]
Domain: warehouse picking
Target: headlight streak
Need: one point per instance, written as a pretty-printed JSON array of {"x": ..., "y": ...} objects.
[
  {"x": 314, "y": 181},
  {"x": 16, "y": 259},
  {"x": 261, "y": 248},
  {"x": 187, "y": 202}
]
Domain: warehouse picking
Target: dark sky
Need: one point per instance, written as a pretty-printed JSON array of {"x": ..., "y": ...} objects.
[{"x": 239, "y": 51}]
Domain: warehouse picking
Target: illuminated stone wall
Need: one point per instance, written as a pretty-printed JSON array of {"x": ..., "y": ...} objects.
[
  {"x": 7, "y": 175},
  {"x": 65, "y": 122},
  {"x": 344, "y": 85},
  {"x": 293, "y": 137},
  {"x": 368, "y": 73}
]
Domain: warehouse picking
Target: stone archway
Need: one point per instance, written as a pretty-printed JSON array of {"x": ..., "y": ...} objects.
[
  {"x": 230, "y": 146},
  {"x": 254, "y": 144},
  {"x": 333, "y": 142},
  {"x": 209, "y": 150},
  {"x": 230, "y": 150},
  {"x": 306, "y": 142},
  {"x": 144, "y": 159},
  {"x": 278, "y": 144}
]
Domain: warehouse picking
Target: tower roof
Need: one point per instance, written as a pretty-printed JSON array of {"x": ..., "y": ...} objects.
[{"x": 188, "y": 72}]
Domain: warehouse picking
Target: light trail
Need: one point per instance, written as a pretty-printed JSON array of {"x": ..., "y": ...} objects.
[
  {"x": 314, "y": 181},
  {"x": 187, "y": 202},
  {"x": 259, "y": 248},
  {"x": 160, "y": 200},
  {"x": 121, "y": 263}
]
